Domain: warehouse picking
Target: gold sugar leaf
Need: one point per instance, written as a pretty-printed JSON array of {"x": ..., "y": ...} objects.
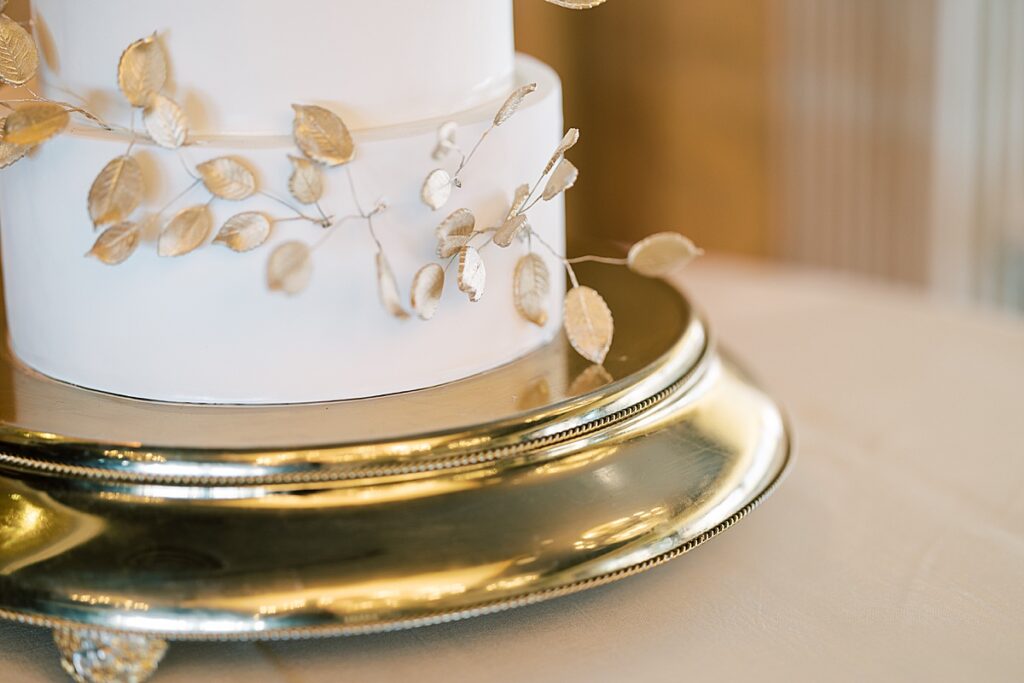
[
  {"x": 165, "y": 122},
  {"x": 306, "y": 183},
  {"x": 445, "y": 140},
  {"x": 19, "y": 57},
  {"x": 512, "y": 104},
  {"x": 116, "y": 243},
  {"x": 577, "y": 4},
  {"x": 427, "y": 287},
  {"x": 660, "y": 254},
  {"x": 142, "y": 71},
  {"x": 437, "y": 189},
  {"x": 472, "y": 274},
  {"x": 563, "y": 178},
  {"x": 227, "y": 178},
  {"x": 591, "y": 379},
  {"x": 116, "y": 192},
  {"x": 588, "y": 324},
  {"x": 531, "y": 287},
  {"x": 289, "y": 268},
  {"x": 572, "y": 136},
  {"x": 10, "y": 154},
  {"x": 519, "y": 200},
  {"x": 244, "y": 231},
  {"x": 509, "y": 229},
  {"x": 387, "y": 288},
  {"x": 455, "y": 232},
  {"x": 322, "y": 135},
  {"x": 35, "y": 122},
  {"x": 186, "y": 231}
]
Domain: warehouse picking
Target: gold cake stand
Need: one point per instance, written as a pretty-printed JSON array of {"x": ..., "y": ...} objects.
[{"x": 125, "y": 524}]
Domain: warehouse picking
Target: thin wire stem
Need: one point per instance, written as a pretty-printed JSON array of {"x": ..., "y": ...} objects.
[{"x": 177, "y": 198}]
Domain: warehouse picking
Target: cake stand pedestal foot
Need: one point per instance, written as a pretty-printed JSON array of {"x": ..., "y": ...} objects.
[{"x": 103, "y": 657}]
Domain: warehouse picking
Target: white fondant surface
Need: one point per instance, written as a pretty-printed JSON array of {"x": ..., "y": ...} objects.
[
  {"x": 204, "y": 328},
  {"x": 235, "y": 62}
]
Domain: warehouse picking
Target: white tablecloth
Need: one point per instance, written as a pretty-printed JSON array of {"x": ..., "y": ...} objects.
[{"x": 894, "y": 551}]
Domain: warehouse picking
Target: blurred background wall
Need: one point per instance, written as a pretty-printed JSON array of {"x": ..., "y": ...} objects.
[{"x": 884, "y": 137}]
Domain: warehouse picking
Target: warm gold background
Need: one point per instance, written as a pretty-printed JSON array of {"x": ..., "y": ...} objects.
[{"x": 670, "y": 96}]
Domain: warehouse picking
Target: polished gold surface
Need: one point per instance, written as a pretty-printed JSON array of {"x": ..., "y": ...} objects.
[{"x": 587, "y": 489}]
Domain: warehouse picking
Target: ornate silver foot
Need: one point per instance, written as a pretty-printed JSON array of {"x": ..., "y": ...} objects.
[{"x": 99, "y": 657}]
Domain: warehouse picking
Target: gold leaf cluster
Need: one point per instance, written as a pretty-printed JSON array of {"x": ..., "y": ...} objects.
[{"x": 19, "y": 58}]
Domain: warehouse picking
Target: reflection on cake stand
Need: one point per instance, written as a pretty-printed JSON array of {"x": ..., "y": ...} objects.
[{"x": 126, "y": 524}]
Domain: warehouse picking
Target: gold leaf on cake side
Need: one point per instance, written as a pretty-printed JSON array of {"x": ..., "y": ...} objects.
[
  {"x": 116, "y": 243},
  {"x": 588, "y": 324},
  {"x": 186, "y": 232},
  {"x": 512, "y": 104},
  {"x": 572, "y": 136},
  {"x": 306, "y": 183},
  {"x": 427, "y": 287},
  {"x": 165, "y": 122},
  {"x": 19, "y": 58},
  {"x": 142, "y": 70},
  {"x": 472, "y": 273},
  {"x": 509, "y": 229},
  {"x": 289, "y": 268},
  {"x": 227, "y": 178},
  {"x": 437, "y": 189},
  {"x": 244, "y": 231},
  {"x": 10, "y": 153},
  {"x": 531, "y": 287},
  {"x": 660, "y": 254},
  {"x": 562, "y": 179},
  {"x": 322, "y": 135},
  {"x": 519, "y": 200},
  {"x": 387, "y": 288},
  {"x": 34, "y": 123},
  {"x": 455, "y": 232},
  {"x": 116, "y": 192},
  {"x": 445, "y": 140}
]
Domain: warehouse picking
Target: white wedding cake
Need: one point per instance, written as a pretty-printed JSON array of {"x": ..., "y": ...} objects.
[{"x": 295, "y": 314}]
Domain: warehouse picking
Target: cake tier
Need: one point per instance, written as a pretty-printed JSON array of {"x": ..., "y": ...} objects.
[
  {"x": 205, "y": 328},
  {"x": 376, "y": 62}
]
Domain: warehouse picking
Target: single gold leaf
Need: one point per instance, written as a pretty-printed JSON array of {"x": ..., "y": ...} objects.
[
  {"x": 307, "y": 182},
  {"x": 445, "y": 140},
  {"x": 591, "y": 379},
  {"x": 19, "y": 58},
  {"x": 142, "y": 71},
  {"x": 186, "y": 231},
  {"x": 660, "y": 254},
  {"x": 511, "y": 105},
  {"x": 289, "y": 268},
  {"x": 165, "y": 122},
  {"x": 387, "y": 288},
  {"x": 227, "y": 178},
  {"x": 427, "y": 287},
  {"x": 322, "y": 135},
  {"x": 116, "y": 243},
  {"x": 472, "y": 274},
  {"x": 10, "y": 154},
  {"x": 531, "y": 287},
  {"x": 437, "y": 189},
  {"x": 519, "y": 200},
  {"x": 244, "y": 231},
  {"x": 567, "y": 143},
  {"x": 577, "y": 4},
  {"x": 455, "y": 232},
  {"x": 509, "y": 229},
  {"x": 588, "y": 324},
  {"x": 35, "y": 122},
  {"x": 563, "y": 178},
  {"x": 116, "y": 192}
]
